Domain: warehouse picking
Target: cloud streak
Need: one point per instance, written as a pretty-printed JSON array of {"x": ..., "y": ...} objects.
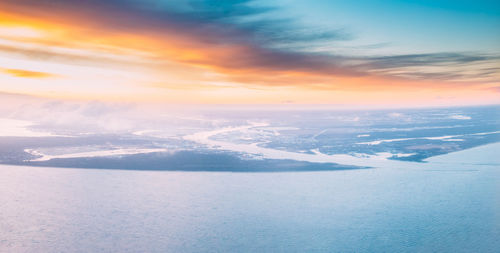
[{"x": 27, "y": 73}]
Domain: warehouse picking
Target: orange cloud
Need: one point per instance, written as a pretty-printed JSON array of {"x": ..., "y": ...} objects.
[{"x": 27, "y": 73}]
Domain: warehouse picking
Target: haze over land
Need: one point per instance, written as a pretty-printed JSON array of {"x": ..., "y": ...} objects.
[{"x": 135, "y": 136}]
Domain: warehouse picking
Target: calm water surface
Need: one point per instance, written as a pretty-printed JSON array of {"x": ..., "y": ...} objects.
[{"x": 456, "y": 209}]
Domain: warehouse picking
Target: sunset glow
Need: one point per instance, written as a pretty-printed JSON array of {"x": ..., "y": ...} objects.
[{"x": 95, "y": 50}]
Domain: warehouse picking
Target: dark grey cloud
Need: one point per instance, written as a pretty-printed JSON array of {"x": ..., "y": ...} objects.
[
  {"x": 220, "y": 21},
  {"x": 446, "y": 66},
  {"x": 433, "y": 59}
]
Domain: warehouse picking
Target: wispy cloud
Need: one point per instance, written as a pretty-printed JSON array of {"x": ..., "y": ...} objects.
[
  {"x": 437, "y": 66},
  {"x": 27, "y": 73}
]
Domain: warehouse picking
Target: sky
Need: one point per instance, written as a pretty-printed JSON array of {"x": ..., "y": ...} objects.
[{"x": 373, "y": 53}]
